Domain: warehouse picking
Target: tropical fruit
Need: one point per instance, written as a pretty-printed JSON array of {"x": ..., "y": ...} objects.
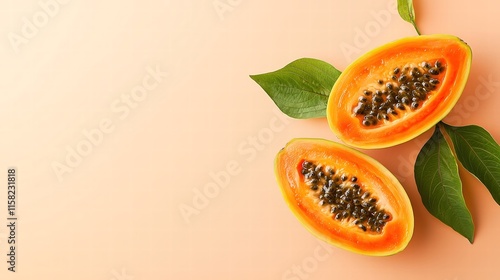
[
  {"x": 344, "y": 197},
  {"x": 397, "y": 91}
]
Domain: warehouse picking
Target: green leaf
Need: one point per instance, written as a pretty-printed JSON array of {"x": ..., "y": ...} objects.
[
  {"x": 301, "y": 88},
  {"x": 407, "y": 13},
  {"x": 479, "y": 154},
  {"x": 439, "y": 185}
]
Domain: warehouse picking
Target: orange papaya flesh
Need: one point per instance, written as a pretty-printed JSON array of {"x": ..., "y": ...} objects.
[
  {"x": 397, "y": 91},
  {"x": 344, "y": 197}
]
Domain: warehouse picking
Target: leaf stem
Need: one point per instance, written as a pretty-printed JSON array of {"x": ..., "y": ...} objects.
[
  {"x": 416, "y": 29},
  {"x": 441, "y": 126}
]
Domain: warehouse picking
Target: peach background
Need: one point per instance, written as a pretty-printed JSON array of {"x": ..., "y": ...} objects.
[{"x": 117, "y": 215}]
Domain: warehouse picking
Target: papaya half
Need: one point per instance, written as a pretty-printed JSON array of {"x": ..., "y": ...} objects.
[
  {"x": 397, "y": 91},
  {"x": 344, "y": 197}
]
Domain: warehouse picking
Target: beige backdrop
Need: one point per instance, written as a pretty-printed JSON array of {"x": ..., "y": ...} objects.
[{"x": 144, "y": 150}]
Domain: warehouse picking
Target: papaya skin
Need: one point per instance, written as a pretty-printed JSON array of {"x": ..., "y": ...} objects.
[
  {"x": 396, "y": 234},
  {"x": 451, "y": 50}
]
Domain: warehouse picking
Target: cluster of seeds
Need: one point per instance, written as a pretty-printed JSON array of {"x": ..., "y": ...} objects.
[
  {"x": 405, "y": 89},
  {"x": 345, "y": 196}
]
